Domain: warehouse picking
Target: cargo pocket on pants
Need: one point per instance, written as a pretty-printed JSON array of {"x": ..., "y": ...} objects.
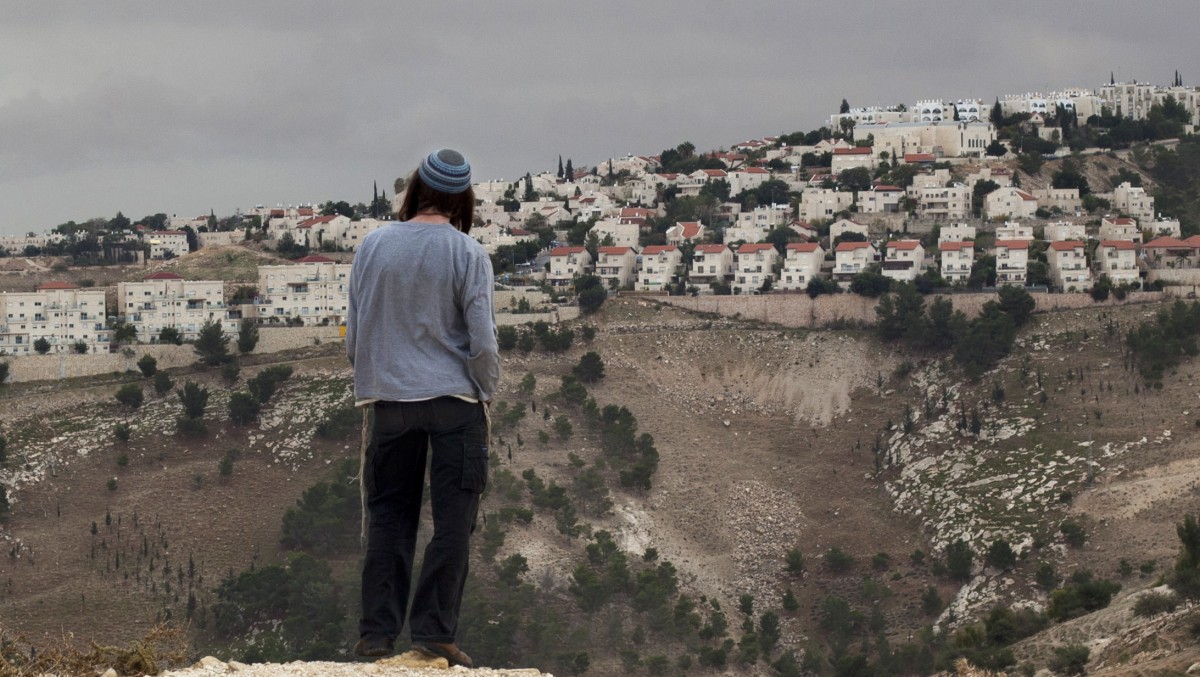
[{"x": 475, "y": 466}]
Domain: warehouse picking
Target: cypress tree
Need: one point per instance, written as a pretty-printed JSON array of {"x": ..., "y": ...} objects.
[
  {"x": 560, "y": 167},
  {"x": 570, "y": 171}
]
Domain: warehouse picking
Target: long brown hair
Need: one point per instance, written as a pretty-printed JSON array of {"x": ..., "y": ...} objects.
[{"x": 418, "y": 197}]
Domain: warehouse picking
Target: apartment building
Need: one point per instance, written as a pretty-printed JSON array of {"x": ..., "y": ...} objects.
[
  {"x": 711, "y": 263},
  {"x": 820, "y": 204},
  {"x": 660, "y": 268},
  {"x": 1012, "y": 261},
  {"x": 165, "y": 244},
  {"x": 957, "y": 257},
  {"x": 1133, "y": 201},
  {"x": 801, "y": 263},
  {"x": 1062, "y": 230},
  {"x": 1069, "y": 270},
  {"x": 315, "y": 289},
  {"x": 943, "y": 203},
  {"x": 903, "y": 260},
  {"x": 163, "y": 300},
  {"x": 1120, "y": 228},
  {"x": 61, "y": 313},
  {"x": 568, "y": 263},
  {"x": 1012, "y": 230},
  {"x": 1117, "y": 259},
  {"x": 1066, "y": 200},
  {"x": 755, "y": 265},
  {"x": 616, "y": 266}
]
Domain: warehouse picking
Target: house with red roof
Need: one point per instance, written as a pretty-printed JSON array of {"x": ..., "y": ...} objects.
[
  {"x": 314, "y": 289},
  {"x": 801, "y": 264},
  {"x": 1012, "y": 261},
  {"x": 957, "y": 257},
  {"x": 1120, "y": 228},
  {"x": 849, "y": 158},
  {"x": 66, "y": 317},
  {"x": 1117, "y": 260},
  {"x": 660, "y": 268},
  {"x": 685, "y": 231},
  {"x": 1171, "y": 252},
  {"x": 852, "y": 258},
  {"x": 1069, "y": 269},
  {"x": 568, "y": 263},
  {"x": 711, "y": 264},
  {"x": 165, "y": 300},
  {"x": 616, "y": 266},
  {"x": 1010, "y": 203},
  {"x": 903, "y": 260},
  {"x": 754, "y": 265},
  {"x": 747, "y": 178}
]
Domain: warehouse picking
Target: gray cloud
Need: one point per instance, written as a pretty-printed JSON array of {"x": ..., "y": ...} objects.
[{"x": 182, "y": 107}]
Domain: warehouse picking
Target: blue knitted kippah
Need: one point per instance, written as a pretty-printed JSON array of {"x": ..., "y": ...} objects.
[{"x": 446, "y": 171}]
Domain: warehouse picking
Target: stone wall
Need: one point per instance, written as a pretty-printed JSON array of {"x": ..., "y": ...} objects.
[
  {"x": 798, "y": 310},
  {"x": 70, "y": 365}
]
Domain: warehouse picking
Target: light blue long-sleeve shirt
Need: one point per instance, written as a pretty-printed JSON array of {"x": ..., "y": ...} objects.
[{"x": 420, "y": 322}]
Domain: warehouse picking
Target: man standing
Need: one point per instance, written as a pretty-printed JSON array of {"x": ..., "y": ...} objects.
[{"x": 421, "y": 336}]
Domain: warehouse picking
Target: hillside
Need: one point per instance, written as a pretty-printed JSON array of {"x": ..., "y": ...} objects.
[{"x": 766, "y": 441}]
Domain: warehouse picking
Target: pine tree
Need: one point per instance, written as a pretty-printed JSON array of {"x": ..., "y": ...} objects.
[
  {"x": 560, "y": 167},
  {"x": 374, "y": 199},
  {"x": 212, "y": 345},
  {"x": 845, "y": 108},
  {"x": 997, "y": 113},
  {"x": 570, "y": 171}
]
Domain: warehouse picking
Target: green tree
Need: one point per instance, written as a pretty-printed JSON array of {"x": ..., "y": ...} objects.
[
  {"x": 42, "y": 346},
  {"x": 4, "y": 506},
  {"x": 958, "y": 560},
  {"x": 1185, "y": 578},
  {"x": 168, "y": 335},
  {"x": 3, "y": 373},
  {"x": 562, "y": 426},
  {"x": 590, "y": 368},
  {"x": 979, "y": 194},
  {"x": 243, "y": 408},
  {"x": 247, "y": 335},
  {"x": 591, "y": 293},
  {"x": 130, "y": 395},
  {"x": 162, "y": 382},
  {"x": 855, "y": 179},
  {"x": 194, "y": 400},
  {"x": 1000, "y": 555},
  {"x": 3, "y": 452},
  {"x": 148, "y": 365},
  {"x": 1017, "y": 303},
  {"x": 212, "y": 345}
]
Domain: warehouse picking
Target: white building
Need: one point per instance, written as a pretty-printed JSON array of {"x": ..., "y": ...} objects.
[
  {"x": 821, "y": 204},
  {"x": 956, "y": 232},
  {"x": 314, "y": 289},
  {"x": 568, "y": 263},
  {"x": 943, "y": 203},
  {"x": 622, "y": 233},
  {"x": 1010, "y": 203},
  {"x": 685, "y": 231},
  {"x": 852, "y": 258},
  {"x": 1163, "y": 226},
  {"x": 1066, "y": 200},
  {"x": 1063, "y": 230},
  {"x": 711, "y": 263},
  {"x": 163, "y": 300},
  {"x": 903, "y": 260},
  {"x": 616, "y": 266},
  {"x": 1117, "y": 259},
  {"x": 166, "y": 244},
  {"x": 1133, "y": 201},
  {"x": 957, "y": 258},
  {"x": 842, "y": 226},
  {"x": 1011, "y": 230},
  {"x": 660, "y": 268},
  {"x": 755, "y": 265},
  {"x": 1012, "y": 261},
  {"x": 1120, "y": 228},
  {"x": 61, "y": 313},
  {"x": 881, "y": 200},
  {"x": 1069, "y": 270},
  {"x": 801, "y": 264}
]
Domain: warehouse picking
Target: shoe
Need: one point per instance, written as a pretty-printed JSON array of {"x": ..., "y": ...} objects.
[
  {"x": 373, "y": 646},
  {"x": 449, "y": 651}
]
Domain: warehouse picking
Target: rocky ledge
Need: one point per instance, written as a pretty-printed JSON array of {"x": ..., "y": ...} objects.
[{"x": 409, "y": 664}]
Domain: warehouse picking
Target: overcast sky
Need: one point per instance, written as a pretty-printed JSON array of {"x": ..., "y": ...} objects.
[{"x": 183, "y": 107}]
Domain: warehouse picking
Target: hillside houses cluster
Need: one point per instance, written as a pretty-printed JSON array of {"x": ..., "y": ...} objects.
[{"x": 310, "y": 291}]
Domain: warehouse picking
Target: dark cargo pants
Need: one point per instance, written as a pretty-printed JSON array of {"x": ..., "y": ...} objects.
[{"x": 399, "y": 435}]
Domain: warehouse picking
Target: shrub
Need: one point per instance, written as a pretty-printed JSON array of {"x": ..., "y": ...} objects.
[
  {"x": 170, "y": 335},
  {"x": 1073, "y": 533},
  {"x": 194, "y": 399},
  {"x": 1070, "y": 660},
  {"x": 959, "y": 558},
  {"x": 1154, "y": 603},
  {"x": 339, "y": 423},
  {"x": 148, "y": 365},
  {"x": 230, "y": 371},
  {"x": 506, "y": 337},
  {"x": 795, "y": 561},
  {"x": 111, "y": 484},
  {"x": 838, "y": 561},
  {"x": 130, "y": 395},
  {"x": 162, "y": 382},
  {"x": 931, "y": 601},
  {"x": 527, "y": 385},
  {"x": 563, "y": 428},
  {"x": 42, "y": 346},
  {"x": 247, "y": 336},
  {"x": 80, "y": 347},
  {"x": 122, "y": 432},
  {"x": 1045, "y": 576},
  {"x": 1081, "y": 595},
  {"x": 264, "y": 385},
  {"x": 243, "y": 408},
  {"x": 572, "y": 391},
  {"x": 1001, "y": 555},
  {"x": 190, "y": 427},
  {"x": 588, "y": 332},
  {"x": 4, "y": 373}
]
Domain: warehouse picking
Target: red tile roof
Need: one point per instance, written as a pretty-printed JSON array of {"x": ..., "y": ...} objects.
[
  {"x": 1025, "y": 196},
  {"x": 956, "y": 246},
  {"x": 714, "y": 173},
  {"x": 56, "y": 285},
  {"x": 566, "y": 251},
  {"x": 171, "y": 232},
  {"x": 755, "y": 247},
  {"x": 919, "y": 157},
  {"x": 864, "y": 150},
  {"x": 711, "y": 248},
  {"x": 518, "y": 231},
  {"x": 755, "y": 170},
  {"x": 1122, "y": 221},
  {"x": 803, "y": 247},
  {"x": 886, "y": 188},
  {"x": 615, "y": 251},
  {"x": 690, "y": 228},
  {"x": 163, "y": 276},
  {"x": 1167, "y": 243},
  {"x": 903, "y": 245},
  {"x": 1122, "y": 245},
  {"x": 659, "y": 249},
  {"x": 309, "y": 223}
]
